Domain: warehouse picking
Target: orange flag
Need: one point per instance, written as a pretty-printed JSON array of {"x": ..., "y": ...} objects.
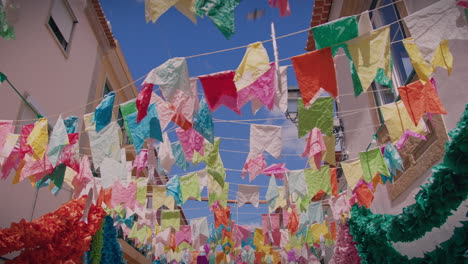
[
  {"x": 315, "y": 70},
  {"x": 293, "y": 222},
  {"x": 334, "y": 182},
  {"x": 421, "y": 98},
  {"x": 365, "y": 195},
  {"x": 222, "y": 216}
]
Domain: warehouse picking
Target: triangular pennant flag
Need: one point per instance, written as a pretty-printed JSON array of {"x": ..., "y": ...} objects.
[{"x": 187, "y": 8}]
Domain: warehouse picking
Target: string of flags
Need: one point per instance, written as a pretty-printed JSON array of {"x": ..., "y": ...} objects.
[{"x": 50, "y": 161}]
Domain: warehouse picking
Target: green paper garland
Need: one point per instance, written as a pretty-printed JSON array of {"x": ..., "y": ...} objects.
[
  {"x": 94, "y": 256},
  {"x": 446, "y": 190}
]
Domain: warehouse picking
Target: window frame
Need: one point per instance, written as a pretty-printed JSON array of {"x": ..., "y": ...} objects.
[{"x": 65, "y": 50}]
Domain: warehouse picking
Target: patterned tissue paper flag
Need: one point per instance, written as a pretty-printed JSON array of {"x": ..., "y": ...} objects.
[
  {"x": 241, "y": 233},
  {"x": 84, "y": 176},
  {"x": 272, "y": 193},
  {"x": 353, "y": 172},
  {"x": 155, "y": 8},
  {"x": 421, "y": 98},
  {"x": 319, "y": 115},
  {"x": 297, "y": 182},
  {"x": 191, "y": 141},
  {"x": 217, "y": 193},
  {"x": 265, "y": 138},
  {"x": 38, "y": 138},
  {"x": 165, "y": 110},
  {"x": 35, "y": 168},
  {"x": 276, "y": 170},
  {"x": 203, "y": 121},
  {"x": 220, "y": 90},
  {"x": 318, "y": 180},
  {"x": 105, "y": 144},
  {"x": 171, "y": 76},
  {"x": 161, "y": 198},
  {"x": 329, "y": 154},
  {"x": 393, "y": 160},
  {"x": 339, "y": 206},
  {"x": 6, "y": 127},
  {"x": 254, "y": 167},
  {"x": 253, "y": 65},
  {"x": 315, "y": 146},
  {"x": 173, "y": 189},
  {"x": 315, "y": 212},
  {"x": 199, "y": 227},
  {"x": 170, "y": 218},
  {"x": 214, "y": 163},
  {"x": 315, "y": 71},
  {"x": 190, "y": 187},
  {"x": 371, "y": 54},
  {"x": 248, "y": 194},
  {"x": 283, "y": 6},
  {"x": 71, "y": 124},
  {"x": 58, "y": 140},
  {"x": 262, "y": 90},
  {"x": 271, "y": 229},
  {"x": 185, "y": 104},
  {"x": 446, "y": 22},
  {"x": 143, "y": 101},
  {"x": 183, "y": 235},
  {"x": 372, "y": 162},
  {"x": 142, "y": 187},
  {"x": 8, "y": 146},
  {"x": 281, "y": 94},
  {"x": 222, "y": 216},
  {"x": 149, "y": 127},
  {"x": 166, "y": 156},
  {"x": 397, "y": 120},
  {"x": 125, "y": 195},
  {"x": 103, "y": 112},
  {"x": 179, "y": 156},
  {"x": 141, "y": 161},
  {"x": 221, "y": 12}
]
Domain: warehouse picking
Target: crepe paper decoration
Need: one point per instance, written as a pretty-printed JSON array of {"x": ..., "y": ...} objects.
[
  {"x": 217, "y": 193},
  {"x": 93, "y": 256},
  {"x": 111, "y": 250},
  {"x": 183, "y": 235},
  {"x": 293, "y": 222},
  {"x": 421, "y": 98},
  {"x": 254, "y": 64},
  {"x": 353, "y": 172},
  {"x": 171, "y": 76},
  {"x": 60, "y": 235},
  {"x": 319, "y": 115},
  {"x": 313, "y": 76},
  {"x": 220, "y": 90},
  {"x": 38, "y": 138},
  {"x": 442, "y": 58},
  {"x": 149, "y": 127},
  {"x": 271, "y": 229},
  {"x": 220, "y": 12},
  {"x": 345, "y": 249},
  {"x": 166, "y": 155},
  {"x": 397, "y": 120},
  {"x": 365, "y": 24},
  {"x": 142, "y": 186},
  {"x": 179, "y": 155},
  {"x": 315, "y": 212},
  {"x": 173, "y": 189},
  {"x": 248, "y": 194},
  {"x": 401, "y": 142},
  {"x": 105, "y": 144},
  {"x": 58, "y": 140},
  {"x": 143, "y": 101},
  {"x": 214, "y": 163},
  {"x": 372, "y": 162},
  {"x": 262, "y": 91},
  {"x": 6, "y": 31},
  {"x": 191, "y": 141},
  {"x": 297, "y": 182},
  {"x": 315, "y": 145},
  {"x": 170, "y": 218},
  {"x": 364, "y": 193},
  {"x": 445, "y": 21},
  {"x": 265, "y": 138},
  {"x": 103, "y": 113},
  {"x": 282, "y": 5},
  {"x": 155, "y": 8},
  {"x": 222, "y": 216},
  {"x": 272, "y": 193},
  {"x": 189, "y": 187},
  {"x": 370, "y": 53},
  {"x": 124, "y": 194},
  {"x": 254, "y": 167},
  {"x": 203, "y": 121},
  {"x": 276, "y": 170},
  {"x": 281, "y": 88}
]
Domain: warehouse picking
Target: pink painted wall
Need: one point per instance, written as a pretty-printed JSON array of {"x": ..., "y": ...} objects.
[{"x": 35, "y": 64}]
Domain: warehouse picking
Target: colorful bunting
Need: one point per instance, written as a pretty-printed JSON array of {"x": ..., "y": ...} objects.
[
  {"x": 265, "y": 138},
  {"x": 221, "y": 12},
  {"x": 103, "y": 112},
  {"x": 315, "y": 146},
  {"x": 254, "y": 166},
  {"x": 149, "y": 127},
  {"x": 58, "y": 140},
  {"x": 282, "y": 5},
  {"x": 353, "y": 172},
  {"x": 38, "y": 138},
  {"x": 372, "y": 162},
  {"x": 190, "y": 187},
  {"x": 179, "y": 156},
  {"x": 397, "y": 120},
  {"x": 262, "y": 91},
  {"x": 105, "y": 144},
  {"x": 143, "y": 101},
  {"x": 319, "y": 115},
  {"x": 220, "y": 90},
  {"x": 318, "y": 180},
  {"x": 166, "y": 155},
  {"x": 248, "y": 194},
  {"x": 170, "y": 218},
  {"x": 191, "y": 141},
  {"x": 203, "y": 122},
  {"x": 254, "y": 64}
]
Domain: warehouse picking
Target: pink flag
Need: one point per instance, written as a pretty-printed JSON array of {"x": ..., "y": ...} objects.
[
  {"x": 141, "y": 161},
  {"x": 315, "y": 146},
  {"x": 276, "y": 170},
  {"x": 254, "y": 167},
  {"x": 184, "y": 234},
  {"x": 143, "y": 101},
  {"x": 191, "y": 141},
  {"x": 262, "y": 89}
]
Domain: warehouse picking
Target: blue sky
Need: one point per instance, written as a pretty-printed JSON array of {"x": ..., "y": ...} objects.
[{"x": 146, "y": 46}]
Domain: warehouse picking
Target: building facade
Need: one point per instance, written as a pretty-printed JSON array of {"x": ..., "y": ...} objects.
[
  {"x": 63, "y": 60},
  {"x": 361, "y": 117}
]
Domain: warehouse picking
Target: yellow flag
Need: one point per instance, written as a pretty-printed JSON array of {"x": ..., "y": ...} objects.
[
  {"x": 397, "y": 120},
  {"x": 254, "y": 64},
  {"x": 160, "y": 198},
  {"x": 369, "y": 53},
  {"x": 38, "y": 139},
  {"x": 353, "y": 172}
]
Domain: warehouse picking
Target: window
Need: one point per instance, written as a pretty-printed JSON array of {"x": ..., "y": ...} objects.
[{"x": 61, "y": 22}]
